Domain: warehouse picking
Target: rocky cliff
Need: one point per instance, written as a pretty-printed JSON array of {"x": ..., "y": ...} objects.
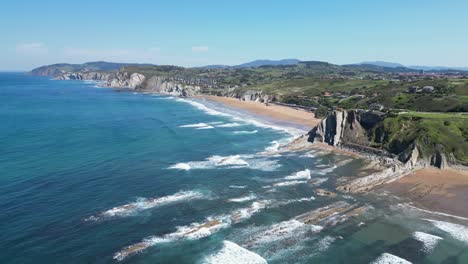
[
  {"x": 175, "y": 86},
  {"x": 135, "y": 81},
  {"x": 371, "y": 132}
]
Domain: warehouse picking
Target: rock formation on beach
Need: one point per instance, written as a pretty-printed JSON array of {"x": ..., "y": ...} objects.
[{"x": 398, "y": 143}]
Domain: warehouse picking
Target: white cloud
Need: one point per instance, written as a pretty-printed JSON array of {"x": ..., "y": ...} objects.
[
  {"x": 31, "y": 48},
  {"x": 200, "y": 49}
]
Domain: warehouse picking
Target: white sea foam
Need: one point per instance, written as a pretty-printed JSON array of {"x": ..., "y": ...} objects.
[
  {"x": 387, "y": 258},
  {"x": 205, "y": 127},
  {"x": 300, "y": 200},
  {"x": 457, "y": 231},
  {"x": 181, "y": 166},
  {"x": 289, "y": 183},
  {"x": 191, "y": 232},
  {"x": 245, "y": 132},
  {"x": 281, "y": 231},
  {"x": 245, "y": 213},
  {"x": 233, "y": 161},
  {"x": 328, "y": 170},
  {"x": 230, "y": 125},
  {"x": 243, "y": 199},
  {"x": 237, "y": 186},
  {"x": 263, "y": 164},
  {"x": 300, "y": 175},
  {"x": 429, "y": 241},
  {"x": 325, "y": 243},
  {"x": 274, "y": 146},
  {"x": 144, "y": 204},
  {"x": 197, "y": 125},
  {"x": 232, "y": 253},
  {"x": 203, "y": 107}
]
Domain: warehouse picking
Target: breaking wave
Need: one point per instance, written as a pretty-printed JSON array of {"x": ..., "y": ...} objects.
[
  {"x": 281, "y": 231},
  {"x": 229, "y": 125},
  {"x": 238, "y": 186},
  {"x": 243, "y": 199},
  {"x": 232, "y": 253},
  {"x": 457, "y": 231},
  {"x": 429, "y": 241},
  {"x": 300, "y": 175},
  {"x": 328, "y": 170},
  {"x": 289, "y": 183},
  {"x": 198, "y": 126},
  {"x": 194, "y": 231},
  {"x": 233, "y": 161},
  {"x": 387, "y": 258},
  {"x": 245, "y": 132},
  {"x": 147, "y": 203}
]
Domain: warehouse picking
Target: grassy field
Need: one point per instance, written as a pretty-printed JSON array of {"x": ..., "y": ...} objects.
[{"x": 435, "y": 115}]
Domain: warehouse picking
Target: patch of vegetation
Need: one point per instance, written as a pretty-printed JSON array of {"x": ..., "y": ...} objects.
[{"x": 447, "y": 133}]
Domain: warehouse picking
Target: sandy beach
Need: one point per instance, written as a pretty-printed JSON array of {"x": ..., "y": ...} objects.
[
  {"x": 444, "y": 190},
  {"x": 278, "y": 112}
]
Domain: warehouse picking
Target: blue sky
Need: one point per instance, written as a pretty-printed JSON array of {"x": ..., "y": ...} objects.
[{"x": 194, "y": 33}]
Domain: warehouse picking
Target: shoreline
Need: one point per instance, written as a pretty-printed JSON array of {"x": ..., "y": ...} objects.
[{"x": 275, "y": 112}]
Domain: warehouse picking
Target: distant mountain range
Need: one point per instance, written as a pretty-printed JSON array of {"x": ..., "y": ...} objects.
[
  {"x": 255, "y": 64},
  {"x": 415, "y": 67},
  {"x": 56, "y": 69}
]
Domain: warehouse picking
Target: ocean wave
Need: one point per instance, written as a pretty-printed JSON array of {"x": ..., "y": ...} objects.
[
  {"x": 457, "y": 231},
  {"x": 274, "y": 146},
  {"x": 238, "y": 186},
  {"x": 206, "y": 127},
  {"x": 236, "y": 117},
  {"x": 240, "y": 215},
  {"x": 281, "y": 231},
  {"x": 243, "y": 199},
  {"x": 429, "y": 241},
  {"x": 387, "y": 258},
  {"x": 245, "y": 132},
  {"x": 194, "y": 231},
  {"x": 328, "y": 170},
  {"x": 300, "y": 200},
  {"x": 203, "y": 107},
  {"x": 233, "y": 161},
  {"x": 197, "y": 125},
  {"x": 233, "y": 253},
  {"x": 191, "y": 232},
  {"x": 148, "y": 203},
  {"x": 325, "y": 243},
  {"x": 230, "y": 125},
  {"x": 300, "y": 175},
  {"x": 289, "y": 183}
]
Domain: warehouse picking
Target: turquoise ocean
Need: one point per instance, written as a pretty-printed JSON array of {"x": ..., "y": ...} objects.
[{"x": 98, "y": 175}]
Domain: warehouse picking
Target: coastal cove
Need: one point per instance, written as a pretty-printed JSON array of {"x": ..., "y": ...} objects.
[{"x": 92, "y": 174}]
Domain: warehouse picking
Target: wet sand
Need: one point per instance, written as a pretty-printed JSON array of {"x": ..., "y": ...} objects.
[
  {"x": 277, "y": 112},
  {"x": 444, "y": 190}
]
